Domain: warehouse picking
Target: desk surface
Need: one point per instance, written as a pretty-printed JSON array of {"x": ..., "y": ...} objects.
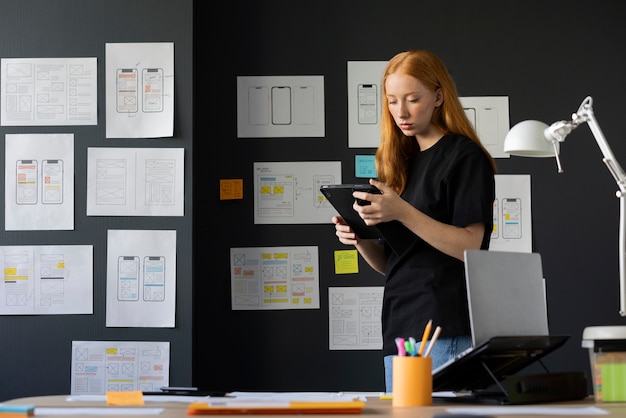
[{"x": 374, "y": 408}]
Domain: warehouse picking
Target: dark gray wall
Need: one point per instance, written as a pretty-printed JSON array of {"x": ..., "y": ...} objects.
[
  {"x": 547, "y": 56},
  {"x": 35, "y": 351}
]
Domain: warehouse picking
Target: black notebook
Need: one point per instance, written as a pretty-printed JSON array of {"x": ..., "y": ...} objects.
[{"x": 396, "y": 235}]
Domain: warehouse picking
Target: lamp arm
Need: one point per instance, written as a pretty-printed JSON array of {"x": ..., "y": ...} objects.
[
  {"x": 622, "y": 254},
  {"x": 585, "y": 114}
]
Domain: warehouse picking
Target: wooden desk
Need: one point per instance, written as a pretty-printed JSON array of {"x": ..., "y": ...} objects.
[{"x": 374, "y": 408}]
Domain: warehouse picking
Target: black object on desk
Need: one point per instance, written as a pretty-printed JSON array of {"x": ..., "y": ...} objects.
[
  {"x": 486, "y": 373},
  {"x": 186, "y": 391}
]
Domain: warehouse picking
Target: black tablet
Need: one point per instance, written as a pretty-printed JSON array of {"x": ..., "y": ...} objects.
[{"x": 393, "y": 233}]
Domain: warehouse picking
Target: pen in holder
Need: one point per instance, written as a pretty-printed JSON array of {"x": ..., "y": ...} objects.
[{"x": 412, "y": 381}]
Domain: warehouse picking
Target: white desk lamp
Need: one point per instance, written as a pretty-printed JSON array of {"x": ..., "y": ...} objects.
[{"x": 532, "y": 138}]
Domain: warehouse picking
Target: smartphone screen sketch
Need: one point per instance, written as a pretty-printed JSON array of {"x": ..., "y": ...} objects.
[
  {"x": 26, "y": 182},
  {"x": 511, "y": 218},
  {"x": 126, "y": 90},
  {"x": 258, "y": 105},
  {"x": 487, "y": 125},
  {"x": 51, "y": 279},
  {"x": 303, "y": 105},
  {"x": 128, "y": 278},
  {"x": 52, "y": 182},
  {"x": 470, "y": 112},
  {"x": 154, "y": 278},
  {"x": 281, "y": 105},
  {"x": 368, "y": 104},
  {"x": 152, "y": 80}
]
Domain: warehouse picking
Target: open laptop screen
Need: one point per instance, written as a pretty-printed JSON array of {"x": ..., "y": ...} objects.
[
  {"x": 508, "y": 318},
  {"x": 506, "y": 294}
]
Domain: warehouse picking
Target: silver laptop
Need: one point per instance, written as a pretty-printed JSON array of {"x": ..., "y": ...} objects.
[
  {"x": 509, "y": 323},
  {"x": 506, "y": 296},
  {"x": 506, "y": 293}
]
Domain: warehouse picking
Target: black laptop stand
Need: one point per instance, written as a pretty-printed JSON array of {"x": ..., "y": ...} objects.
[{"x": 486, "y": 374}]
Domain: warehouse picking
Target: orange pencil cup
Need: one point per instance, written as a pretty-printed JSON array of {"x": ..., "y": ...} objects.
[{"x": 412, "y": 381}]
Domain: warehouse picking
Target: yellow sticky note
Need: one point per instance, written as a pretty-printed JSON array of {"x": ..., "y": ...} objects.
[
  {"x": 346, "y": 261},
  {"x": 125, "y": 398}
]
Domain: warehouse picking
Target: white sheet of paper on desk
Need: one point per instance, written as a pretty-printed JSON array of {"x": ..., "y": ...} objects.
[
  {"x": 299, "y": 396},
  {"x": 64, "y": 412},
  {"x": 530, "y": 410}
]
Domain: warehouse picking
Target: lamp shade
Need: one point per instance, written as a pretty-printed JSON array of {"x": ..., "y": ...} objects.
[{"x": 528, "y": 139}]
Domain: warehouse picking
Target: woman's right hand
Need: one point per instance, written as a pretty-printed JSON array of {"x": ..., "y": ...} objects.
[{"x": 343, "y": 231}]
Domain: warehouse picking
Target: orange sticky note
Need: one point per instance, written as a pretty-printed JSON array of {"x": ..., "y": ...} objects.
[
  {"x": 231, "y": 189},
  {"x": 125, "y": 398}
]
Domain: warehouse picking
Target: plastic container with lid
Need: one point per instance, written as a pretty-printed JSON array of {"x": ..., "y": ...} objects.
[{"x": 607, "y": 355}]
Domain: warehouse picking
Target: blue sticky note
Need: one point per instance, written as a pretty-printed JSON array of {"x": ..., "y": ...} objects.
[{"x": 364, "y": 166}]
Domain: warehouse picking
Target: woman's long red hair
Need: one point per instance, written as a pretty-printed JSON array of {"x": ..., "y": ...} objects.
[{"x": 395, "y": 148}]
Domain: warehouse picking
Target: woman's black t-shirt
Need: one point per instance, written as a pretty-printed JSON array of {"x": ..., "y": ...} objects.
[{"x": 452, "y": 182}]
